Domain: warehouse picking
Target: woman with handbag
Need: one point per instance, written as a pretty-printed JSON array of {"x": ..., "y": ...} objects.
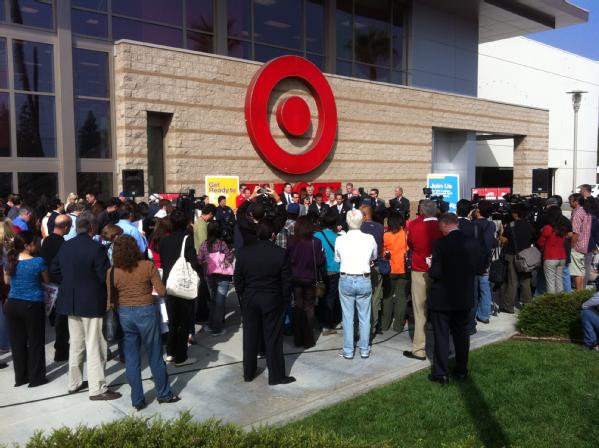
[
  {"x": 552, "y": 243},
  {"x": 25, "y": 310},
  {"x": 180, "y": 307},
  {"x": 395, "y": 299},
  {"x": 217, "y": 256},
  {"x": 129, "y": 285},
  {"x": 307, "y": 258},
  {"x": 516, "y": 237}
]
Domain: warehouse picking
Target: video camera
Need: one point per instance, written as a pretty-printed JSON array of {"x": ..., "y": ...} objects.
[
  {"x": 502, "y": 208},
  {"x": 438, "y": 199}
]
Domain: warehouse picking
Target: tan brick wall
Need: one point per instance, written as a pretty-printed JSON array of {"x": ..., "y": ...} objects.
[{"x": 384, "y": 134}]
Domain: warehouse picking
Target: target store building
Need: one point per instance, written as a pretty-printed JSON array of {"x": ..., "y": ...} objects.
[{"x": 379, "y": 93}]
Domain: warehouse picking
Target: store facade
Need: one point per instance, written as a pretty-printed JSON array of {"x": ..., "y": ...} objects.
[{"x": 80, "y": 101}]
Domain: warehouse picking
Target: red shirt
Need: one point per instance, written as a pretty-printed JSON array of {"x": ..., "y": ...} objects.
[
  {"x": 239, "y": 200},
  {"x": 421, "y": 235},
  {"x": 551, "y": 244}
]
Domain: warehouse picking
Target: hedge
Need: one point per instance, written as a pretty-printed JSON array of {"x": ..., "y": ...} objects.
[
  {"x": 554, "y": 315},
  {"x": 185, "y": 432}
]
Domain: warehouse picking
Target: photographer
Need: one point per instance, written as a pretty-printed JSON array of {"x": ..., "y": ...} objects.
[
  {"x": 264, "y": 203},
  {"x": 519, "y": 234},
  {"x": 484, "y": 233}
]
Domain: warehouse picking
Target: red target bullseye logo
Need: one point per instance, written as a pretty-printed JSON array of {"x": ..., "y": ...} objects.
[{"x": 293, "y": 114}]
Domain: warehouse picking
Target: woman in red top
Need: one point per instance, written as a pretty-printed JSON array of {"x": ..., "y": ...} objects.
[
  {"x": 551, "y": 242},
  {"x": 163, "y": 229}
]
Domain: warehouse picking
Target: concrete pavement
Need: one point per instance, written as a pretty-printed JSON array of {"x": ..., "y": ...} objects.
[{"x": 214, "y": 386}]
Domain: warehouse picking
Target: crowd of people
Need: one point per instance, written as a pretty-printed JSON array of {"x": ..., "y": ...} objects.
[{"x": 302, "y": 263}]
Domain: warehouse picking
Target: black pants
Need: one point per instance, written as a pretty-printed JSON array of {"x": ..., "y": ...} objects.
[
  {"x": 458, "y": 322},
  {"x": 202, "y": 309},
  {"x": 260, "y": 317},
  {"x": 331, "y": 307},
  {"x": 26, "y": 326},
  {"x": 304, "y": 294},
  {"x": 61, "y": 343},
  {"x": 180, "y": 317}
]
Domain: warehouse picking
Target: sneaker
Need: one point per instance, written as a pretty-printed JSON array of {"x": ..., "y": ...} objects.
[
  {"x": 216, "y": 334},
  {"x": 344, "y": 356},
  {"x": 365, "y": 355},
  {"x": 169, "y": 359},
  {"x": 187, "y": 362}
]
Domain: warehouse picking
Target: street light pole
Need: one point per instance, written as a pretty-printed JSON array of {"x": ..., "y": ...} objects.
[{"x": 576, "y": 100}]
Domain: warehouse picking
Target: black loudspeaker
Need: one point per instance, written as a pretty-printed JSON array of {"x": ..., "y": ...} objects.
[
  {"x": 133, "y": 183},
  {"x": 540, "y": 180}
]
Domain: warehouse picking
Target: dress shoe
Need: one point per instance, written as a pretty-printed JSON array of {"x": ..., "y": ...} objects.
[
  {"x": 442, "y": 380},
  {"x": 108, "y": 395},
  {"x": 84, "y": 385},
  {"x": 61, "y": 358},
  {"x": 483, "y": 321},
  {"x": 187, "y": 362},
  {"x": 38, "y": 383},
  {"x": 3, "y": 365},
  {"x": 284, "y": 380},
  {"x": 173, "y": 399},
  {"x": 409, "y": 354},
  {"x": 140, "y": 406},
  {"x": 460, "y": 376},
  {"x": 328, "y": 332},
  {"x": 21, "y": 383}
]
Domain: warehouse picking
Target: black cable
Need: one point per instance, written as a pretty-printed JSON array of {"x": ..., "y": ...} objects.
[{"x": 323, "y": 350}]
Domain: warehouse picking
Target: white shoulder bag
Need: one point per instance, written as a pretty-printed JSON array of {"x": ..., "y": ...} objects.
[{"x": 183, "y": 281}]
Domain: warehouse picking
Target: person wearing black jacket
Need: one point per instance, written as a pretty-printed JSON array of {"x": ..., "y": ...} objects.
[
  {"x": 50, "y": 247},
  {"x": 451, "y": 298},
  {"x": 340, "y": 210},
  {"x": 255, "y": 210},
  {"x": 80, "y": 266},
  {"x": 57, "y": 209},
  {"x": 263, "y": 281},
  {"x": 399, "y": 204},
  {"x": 180, "y": 311}
]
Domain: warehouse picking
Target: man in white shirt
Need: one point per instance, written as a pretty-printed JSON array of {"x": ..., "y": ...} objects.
[{"x": 355, "y": 251}]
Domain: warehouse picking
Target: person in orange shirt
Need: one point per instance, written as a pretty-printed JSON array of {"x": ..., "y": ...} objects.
[{"x": 395, "y": 243}]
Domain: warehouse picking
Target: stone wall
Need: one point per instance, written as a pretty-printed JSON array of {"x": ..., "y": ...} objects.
[{"x": 384, "y": 134}]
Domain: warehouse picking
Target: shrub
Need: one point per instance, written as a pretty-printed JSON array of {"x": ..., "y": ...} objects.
[
  {"x": 553, "y": 315},
  {"x": 185, "y": 432}
]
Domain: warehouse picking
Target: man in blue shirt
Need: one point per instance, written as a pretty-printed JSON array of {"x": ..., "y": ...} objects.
[
  {"x": 377, "y": 231},
  {"x": 21, "y": 221},
  {"x": 126, "y": 217}
]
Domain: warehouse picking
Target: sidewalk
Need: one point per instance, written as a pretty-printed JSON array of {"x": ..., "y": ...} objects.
[{"x": 214, "y": 386}]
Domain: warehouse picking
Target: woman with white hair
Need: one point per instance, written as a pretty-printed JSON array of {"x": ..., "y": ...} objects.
[{"x": 355, "y": 251}]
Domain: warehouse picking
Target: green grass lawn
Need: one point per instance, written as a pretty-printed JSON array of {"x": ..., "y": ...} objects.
[{"x": 519, "y": 394}]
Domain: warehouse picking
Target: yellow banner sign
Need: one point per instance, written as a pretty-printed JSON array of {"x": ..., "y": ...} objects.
[{"x": 227, "y": 186}]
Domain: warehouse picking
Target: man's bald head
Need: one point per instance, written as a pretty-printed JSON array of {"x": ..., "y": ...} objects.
[{"x": 62, "y": 225}]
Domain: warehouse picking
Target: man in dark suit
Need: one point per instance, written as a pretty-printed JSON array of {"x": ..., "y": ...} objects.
[
  {"x": 378, "y": 206},
  {"x": 340, "y": 209},
  {"x": 287, "y": 195},
  {"x": 451, "y": 298},
  {"x": 80, "y": 266},
  {"x": 57, "y": 209},
  {"x": 318, "y": 206},
  {"x": 263, "y": 281},
  {"x": 399, "y": 204},
  {"x": 464, "y": 208}
]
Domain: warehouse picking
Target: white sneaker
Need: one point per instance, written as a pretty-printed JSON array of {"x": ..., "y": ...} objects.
[{"x": 169, "y": 359}]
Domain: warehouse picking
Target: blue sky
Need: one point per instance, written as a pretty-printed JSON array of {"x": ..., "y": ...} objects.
[{"x": 580, "y": 39}]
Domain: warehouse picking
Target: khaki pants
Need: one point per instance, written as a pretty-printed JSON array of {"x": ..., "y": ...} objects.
[
  {"x": 420, "y": 289},
  {"x": 87, "y": 339}
]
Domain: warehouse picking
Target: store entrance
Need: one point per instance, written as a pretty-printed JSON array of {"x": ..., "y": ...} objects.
[{"x": 158, "y": 124}]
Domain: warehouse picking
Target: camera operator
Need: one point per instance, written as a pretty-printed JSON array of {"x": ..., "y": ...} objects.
[
  {"x": 518, "y": 234},
  {"x": 264, "y": 203}
]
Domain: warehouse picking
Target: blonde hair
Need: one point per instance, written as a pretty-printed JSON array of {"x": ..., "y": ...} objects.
[
  {"x": 6, "y": 231},
  {"x": 72, "y": 197}
]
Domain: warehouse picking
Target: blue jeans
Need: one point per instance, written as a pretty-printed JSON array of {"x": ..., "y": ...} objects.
[
  {"x": 218, "y": 285},
  {"x": 590, "y": 327},
  {"x": 141, "y": 325},
  {"x": 483, "y": 290},
  {"x": 567, "y": 279},
  {"x": 355, "y": 291}
]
